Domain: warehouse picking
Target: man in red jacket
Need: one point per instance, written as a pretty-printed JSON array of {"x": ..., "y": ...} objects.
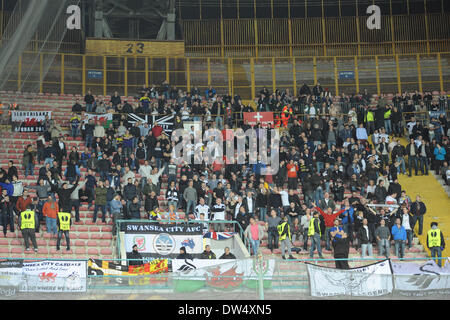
[
  {"x": 157, "y": 130},
  {"x": 292, "y": 168},
  {"x": 329, "y": 218}
]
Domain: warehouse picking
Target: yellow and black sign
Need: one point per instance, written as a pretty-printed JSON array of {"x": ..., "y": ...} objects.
[{"x": 134, "y": 47}]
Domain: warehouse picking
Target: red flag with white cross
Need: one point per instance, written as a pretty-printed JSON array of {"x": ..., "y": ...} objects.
[{"x": 264, "y": 118}]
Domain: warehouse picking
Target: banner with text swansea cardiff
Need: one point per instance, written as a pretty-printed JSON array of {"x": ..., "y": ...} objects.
[
  {"x": 54, "y": 276},
  {"x": 372, "y": 280},
  {"x": 163, "y": 240}
]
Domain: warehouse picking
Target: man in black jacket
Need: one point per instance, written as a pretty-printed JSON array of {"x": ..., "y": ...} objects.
[
  {"x": 365, "y": 238},
  {"x": 341, "y": 249},
  {"x": 412, "y": 152},
  {"x": 208, "y": 254},
  {"x": 129, "y": 191},
  {"x": 89, "y": 132},
  {"x": 227, "y": 254},
  {"x": 104, "y": 167},
  {"x": 89, "y": 100},
  {"x": 135, "y": 258},
  {"x": 77, "y": 107},
  {"x": 64, "y": 195},
  {"x": 418, "y": 209},
  {"x": 183, "y": 254}
]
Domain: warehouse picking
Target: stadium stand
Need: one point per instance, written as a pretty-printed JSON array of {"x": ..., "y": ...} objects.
[{"x": 95, "y": 240}]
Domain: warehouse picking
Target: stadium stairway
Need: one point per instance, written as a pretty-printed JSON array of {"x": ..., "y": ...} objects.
[
  {"x": 88, "y": 240},
  {"x": 435, "y": 198}
]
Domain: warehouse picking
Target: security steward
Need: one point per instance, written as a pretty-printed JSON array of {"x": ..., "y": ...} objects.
[
  {"x": 284, "y": 232},
  {"x": 29, "y": 224},
  {"x": 435, "y": 242},
  {"x": 314, "y": 235},
  {"x": 64, "y": 222}
]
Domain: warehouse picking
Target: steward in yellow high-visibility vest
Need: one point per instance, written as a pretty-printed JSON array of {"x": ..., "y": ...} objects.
[
  {"x": 370, "y": 117},
  {"x": 284, "y": 231},
  {"x": 314, "y": 226},
  {"x": 64, "y": 222},
  {"x": 28, "y": 224},
  {"x": 314, "y": 234},
  {"x": 435, "y": 242}
]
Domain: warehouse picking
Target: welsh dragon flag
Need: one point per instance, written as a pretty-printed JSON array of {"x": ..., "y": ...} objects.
[
  {"x": 219, "y": 235},
  {"x": 192, "y": 275}
]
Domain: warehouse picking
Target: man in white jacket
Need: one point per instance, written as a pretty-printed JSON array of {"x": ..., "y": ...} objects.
[
  {"x": 128, "y": 174},
  {"x": 145, "y": 171},
  {"x": 154, "y": 177},
  {"x": 99, "y": 131}
]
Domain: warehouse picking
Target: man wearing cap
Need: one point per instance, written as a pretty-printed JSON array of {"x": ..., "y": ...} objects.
[
  {"x": 135, "y": 258},
  {"x": 435, "y": 242}
]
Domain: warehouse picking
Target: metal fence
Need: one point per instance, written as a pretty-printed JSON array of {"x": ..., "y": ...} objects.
[
  {"x": 246, "y": 77},
  {"x": 316, "y": 36},
  {"x": 287, "y": 279}
]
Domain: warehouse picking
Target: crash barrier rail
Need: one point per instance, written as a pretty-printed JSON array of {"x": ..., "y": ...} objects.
[
  {"x": 78, "y": 73},
  {"x": 237, "y": 118},
  {"x": 253, "y": 278}
]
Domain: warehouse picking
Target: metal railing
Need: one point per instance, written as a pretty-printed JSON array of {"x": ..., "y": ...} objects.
[
  {"x": 286, "y": 279},
  {"x": 303, "y": 36},
  {"x": 77, "y": 73}
]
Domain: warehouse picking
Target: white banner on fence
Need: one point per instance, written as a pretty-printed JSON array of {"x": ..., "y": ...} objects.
[
  {"x": 10, "y": 272},
  {"x": 418, "y": 280},
  {"x": 54, "y": 276},
  {"x": 202, "y": 269},
  {"x": 371, "y": 280},
  {"x": 23, "y": 116}
]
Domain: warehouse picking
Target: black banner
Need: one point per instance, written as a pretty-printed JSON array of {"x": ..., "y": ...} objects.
[
  {"x": 27, "y": 127},
  {"x": 165, "y": 121}
]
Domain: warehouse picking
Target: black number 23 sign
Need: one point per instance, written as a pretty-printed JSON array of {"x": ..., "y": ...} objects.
[{"x": 135, "y": 47}]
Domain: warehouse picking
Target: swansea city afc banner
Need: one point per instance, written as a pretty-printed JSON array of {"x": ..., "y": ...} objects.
[
  {"x": 29, "y": 121},
  {"x": 369, "y": 281},
  {"x": 412, "y": 279},
  {"x": 194, "y": 274},
  {"x": 163, "y": 240},
  {"x": 54, "y": 276}
]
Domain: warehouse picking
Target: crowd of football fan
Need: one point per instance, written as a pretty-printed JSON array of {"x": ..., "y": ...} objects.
[{"x": 327, "y": 148}]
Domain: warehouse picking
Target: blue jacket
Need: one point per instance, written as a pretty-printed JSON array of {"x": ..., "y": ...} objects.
[
  {"x": 336, "y": 229},
  {"x": 440, "y": 155},
  {"x": 398, "y": 234},
  {"x": 116, "y": 206},
  {"x": 257, "y": 167},
  {"x": 9, "y": 187},
  {"x": 90, "y": 182},
  {"x": 347, "y": 216}
]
